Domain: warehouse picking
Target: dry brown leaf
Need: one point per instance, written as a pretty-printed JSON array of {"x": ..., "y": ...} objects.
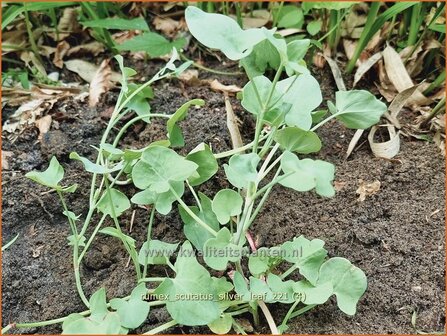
[
  {"x": 61, "y": 50},
  {"x": 68, "y": 23},
  {"x": 289, "y": 31},
  {"x": 350, "y": 46},
  {"x": 365, "y": 66},
  {"x": 336, "y": 72},
  {"x": 87, "y": 70},
  {"x": 387, "y": 149},
  {"x": 397, "y": 104},
  {"x": 5, "y": 156},
  {"x": 31, "y": 61},
  {"x": 232, "y": 124},
  {"x": 339, "y": 185},
  {"x": 367, "y": 189},
  {"x": 440, "y": 142},
  {"x": 218, "y": 86},
  {"x": 101, "y": 83},
  {"x": 355, "y": 139},
  {"x": 257, "y": 18},
  {"x": 167, "y": 26},
  {"x": 26, "y": 114},
  {"x": 190, "y": 77},
  {"x": 123, "y": 36},
  {"x": 399, "y": 77},
  {"x": 94, "y": 48},
  {"x": 44, "y": 125}
]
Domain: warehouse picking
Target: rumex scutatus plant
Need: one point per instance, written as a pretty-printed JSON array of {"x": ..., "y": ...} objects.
[{"x": 217, "y": 226}]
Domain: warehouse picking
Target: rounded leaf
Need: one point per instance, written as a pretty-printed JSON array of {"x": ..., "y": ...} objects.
[{"x": 227, "y": 203}]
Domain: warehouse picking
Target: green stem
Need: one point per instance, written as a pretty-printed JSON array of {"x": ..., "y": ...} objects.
[
  {"x": 161, "y": 328},
  {"x": 238, "y": 150},
  {"x": 302, "y": 311},
  {"x": 153, "y": 279},
  {"x": 90, "y": 240},
  {"x": 239, "y": 14},
  {"x": 120, "y": 233},
  {"x": 332, "y": 116},
  {"x": 436, "y": 83},
  {"x": 192, "y": 214},
  {"x": 32, "y": 41},
  {"x": 148, "y": 240},
  {"x": 287, "y": 317},
  {"x": 372, "y": 15},
  {"x": 134, "y": 120},
  {"x": 437, "y": 109},
  {"x": 292, "y": 269},
  {"x": 260, "y": 118},
  {"x": 193, "y": 192}
]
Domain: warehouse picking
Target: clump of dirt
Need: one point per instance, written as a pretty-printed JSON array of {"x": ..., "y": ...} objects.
[{"x": 396, "y": 236}]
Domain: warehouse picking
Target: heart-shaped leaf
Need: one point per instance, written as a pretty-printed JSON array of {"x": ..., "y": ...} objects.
[
  {"x": 191, "y": 295},
  {"x": 263, "y": 260},
  {"x": 283, "y": 289},
  {"x": 306, "y": 174},
  {"x": 132, "y": 312},
  {"x": 157, "y": 253},
  {"x": 219, "y": 250},
  {"x": 50, "y": 177},
  {"x": 222, "y": 325},
  {"x": 307, "y": 254},
  {"x": 93, "y": 167},
  {"x": 348, "y": 281},
  {"x": 117, "y": 198},
  {"x": 194, "y": 232},
  {"x": 163, "y": 201},
  {"x": 302, "y": 95},
  {"x": 158, "y": 167},
  {"x": 242, "y": 169},
  {"x": 357, "y": 109},
  {"x": 207, "y": 164},
  {"x": 263, "y": 86},
  {"x": 227, "y": 203},
  {"x": 221, "y": 32},
  {"x": 311, "y": 294},
  {"x": 297, "y": 140}
]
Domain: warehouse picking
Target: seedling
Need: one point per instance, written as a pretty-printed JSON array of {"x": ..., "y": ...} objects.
[{"x": 218, "y": 226}]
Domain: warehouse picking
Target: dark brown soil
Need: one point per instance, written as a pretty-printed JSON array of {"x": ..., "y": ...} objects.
[{"x": 396, "y": 236}]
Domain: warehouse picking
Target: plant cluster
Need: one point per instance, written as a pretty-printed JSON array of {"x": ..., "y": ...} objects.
[{"x": 238, "y": 277}]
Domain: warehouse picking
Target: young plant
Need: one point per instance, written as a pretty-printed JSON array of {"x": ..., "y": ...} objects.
[{"x": 218, "y": 227}]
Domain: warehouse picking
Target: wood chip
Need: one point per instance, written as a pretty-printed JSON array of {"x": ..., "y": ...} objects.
[
  {"x": 367, "y": 189},
  {"x": 232, "y": 124}
]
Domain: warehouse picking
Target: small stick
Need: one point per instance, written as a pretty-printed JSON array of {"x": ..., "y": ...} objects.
[{"x": 131, "y": 220}]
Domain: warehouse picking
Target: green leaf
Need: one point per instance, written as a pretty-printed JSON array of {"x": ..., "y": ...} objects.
[
  {"x": 139, "y": 103},
  {"x": 302, "y": 95},
  {"x": 312, "y": 295},
  {"x": 120, "y": 202},
  {"x": 204, "y": 158},
  {"x": 264, "y": 56},
  {"x": 221, "y": 32},
  {"x": 242, "y": 169},
  {"x": 263, "y": 260},
  {"x": 296, "y": 50},
  {"x": 93, "y": 167},
  {"x": 349, "y": 282},
  {"x": 227, "y": 203},
  {"x": 50, "y": 177},
  {"x": 163, "y": 201},
  {"x": 219, "y": 250},
  {"x": 192, "y": 298},
  {"x": 297, "y": 140},
  {"x": 259, "y": 288},
  {"x": 358, "y": 109},
  {"x": 290, "y": 16},
  {"x": 241, "y": 287},
  {"x": 283, "y": 290},
  {"x": 307, "y": 254},
  {"x": 132, "y": 312},
  {"x": 174, "y": 132},
  {"x": 158, "y": 252},
  {"x": 194, "y": 232},
  {"x": 152, "y": 43},
  {"x": 158, "y": 167},
  {"x": 118, "y": 23},
  {"x": 306, "y": 174},
  {"x": 71, "y": 240},
  {"x": 314, "y": 27},
  {"x": 100, "y": 321},
  {"x": 111, "y": 231},
  {"x": 317, "y": 116},
  {"x": 222, "y": 325},
  {"x": 250, "y": 99}
]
